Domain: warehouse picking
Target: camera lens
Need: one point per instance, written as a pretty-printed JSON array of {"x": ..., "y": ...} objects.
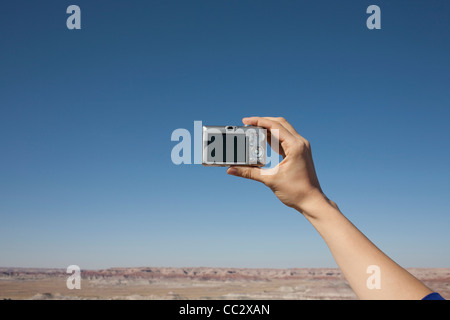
[{"x": 257, "y": 152}]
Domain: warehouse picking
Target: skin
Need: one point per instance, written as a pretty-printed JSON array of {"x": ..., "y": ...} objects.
[{"x": 294, "y": 181}]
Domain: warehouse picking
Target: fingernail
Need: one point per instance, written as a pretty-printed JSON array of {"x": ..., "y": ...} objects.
[{"x": 232, "y": 171}]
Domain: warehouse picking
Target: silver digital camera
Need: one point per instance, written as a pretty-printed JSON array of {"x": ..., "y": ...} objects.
[{"x": 234, "y": 146}]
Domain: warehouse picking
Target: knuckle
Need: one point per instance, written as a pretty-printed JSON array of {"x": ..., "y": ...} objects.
[
  {"x": 246, "y": 173},
  {"x": 307, "y": 144},
  {"x": 299, "y": 146}
]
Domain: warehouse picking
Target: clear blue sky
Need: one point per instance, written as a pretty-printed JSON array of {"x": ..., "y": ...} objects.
[{"x": 86, "y": 118}]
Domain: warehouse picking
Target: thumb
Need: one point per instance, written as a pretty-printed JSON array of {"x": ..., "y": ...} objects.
[{"x": 246, "y": 172}]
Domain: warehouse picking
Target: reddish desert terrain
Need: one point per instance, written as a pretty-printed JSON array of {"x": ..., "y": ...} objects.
[{"x": 193, "y": 283}]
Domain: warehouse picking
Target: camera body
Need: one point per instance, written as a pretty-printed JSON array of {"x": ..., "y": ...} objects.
[{"x": 224, "y": 146}]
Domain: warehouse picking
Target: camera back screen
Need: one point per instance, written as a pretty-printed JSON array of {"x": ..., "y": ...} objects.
[{"x": 227, "y": 148}]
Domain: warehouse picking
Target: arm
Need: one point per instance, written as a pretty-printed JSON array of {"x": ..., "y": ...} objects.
[{"x": 294, "y": 182}]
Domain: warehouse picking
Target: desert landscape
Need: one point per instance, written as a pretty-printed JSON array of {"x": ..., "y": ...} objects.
[{"x": 156, "y": 283}]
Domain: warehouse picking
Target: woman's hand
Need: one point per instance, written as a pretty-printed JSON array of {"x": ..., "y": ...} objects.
[{"x": 293, "y": 180}]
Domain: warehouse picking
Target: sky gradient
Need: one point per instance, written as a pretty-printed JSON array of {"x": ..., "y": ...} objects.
[{"x": 86, "y": 118}]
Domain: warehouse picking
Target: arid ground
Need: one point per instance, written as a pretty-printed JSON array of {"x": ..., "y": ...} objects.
[{"x": 193, "y": 283}]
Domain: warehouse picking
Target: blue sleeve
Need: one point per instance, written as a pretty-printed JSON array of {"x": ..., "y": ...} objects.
[{"x": 433, "y": 296}]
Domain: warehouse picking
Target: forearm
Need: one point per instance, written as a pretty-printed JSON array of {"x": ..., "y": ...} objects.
[
  {"x": 294, "y": 182},
  {"x": 354, "y": 253}
]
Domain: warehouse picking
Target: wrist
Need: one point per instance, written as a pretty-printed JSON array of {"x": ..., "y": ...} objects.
[{"x": 315, "y": 204}]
